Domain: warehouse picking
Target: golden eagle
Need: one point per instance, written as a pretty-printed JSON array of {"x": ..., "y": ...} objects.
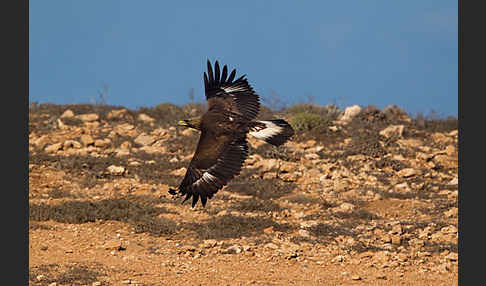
[{"x": 233, "y": 106}]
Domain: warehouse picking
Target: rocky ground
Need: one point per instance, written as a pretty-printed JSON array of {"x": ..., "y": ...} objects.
[{"x": 368, "y": 198}]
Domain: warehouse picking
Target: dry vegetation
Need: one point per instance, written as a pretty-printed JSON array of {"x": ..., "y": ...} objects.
[{"x": 366, "y": 199}]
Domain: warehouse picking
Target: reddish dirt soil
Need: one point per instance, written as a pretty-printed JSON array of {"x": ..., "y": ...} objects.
[{"x": 357, "y": 209}]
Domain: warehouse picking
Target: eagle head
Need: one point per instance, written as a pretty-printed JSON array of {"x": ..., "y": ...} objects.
[{"x": 191, "y": 122}]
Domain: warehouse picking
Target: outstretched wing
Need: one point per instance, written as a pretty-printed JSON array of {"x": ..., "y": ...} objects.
[
  {"x": 225, "y": 93},
  {"x": 216, "y": 161}
]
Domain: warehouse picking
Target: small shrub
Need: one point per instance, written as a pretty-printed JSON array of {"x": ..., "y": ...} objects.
[
  {"x": 165, "y": 113},
  {"x": 330, "y": 112},
  {"x": 266, "y": 113},
  {"x": 308, "y": 121},
  {"x": 434, "y": 123}
]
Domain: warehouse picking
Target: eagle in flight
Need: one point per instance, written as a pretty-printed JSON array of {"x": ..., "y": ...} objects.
[{"x": 233, "y": 106}]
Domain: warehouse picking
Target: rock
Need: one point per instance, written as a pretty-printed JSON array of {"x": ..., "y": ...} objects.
[
  {"x": 304, "y": 233},
  {"x": 117, "y": 114},
  {"x": 423, "y": 254},
  {"x": 355, "y": 277},
  {"x": 145, "y": 118},
  {"x": 160, "y": 132},
  {"x": 61, "y": 124},
  {"x": 339, "y": 186},
  {"x": 179, "y": 172},
  {"x": 449, "y": 229},
  {"x": 448, "y": 162},
  {"x": 144, "y": 139},
  {"x": 395, "y": 131},
  {"x": 382, "y": 256},
  {"x": 87, "y": 140},
  {"x": 288, "y": 167},
  {"x": 349, "y": 113},
  {"x": 234, "y": 249},
  {"x": 40, "y": 142},
  {"x": 269, "y": 230},
  {"x": 366, "y": 254},
  {"x": 102, "y": 143},
  {"x": 71, "y": 144},
  {"x": 338, "y": 258},
  {"x": 443, "y": 268},
  {"x": 290, "y": 177},
  {"x": 116, "y": 170},
  {"x": 450, "y": 150},
  {"x": 114, "y": 244},
  {"x": 408, "y": 172},
  {"x": 209, "y": 243},
  {"x": 397, "y": 229},
  {"x": 410, "y": 142},
  {"x": 311, "y": 156},
  {"x": 271, "y": 245},
  {"x": 351, "y": 194},
  {"x": 396, "y": 239},
  {"x": 310, "y": 143},
  {"x": 125, "y": 127},
  {"x": 121, "y": 152},
  {"x": 381, "y": 276},
  {"x": 385, "y": 238},
  {"x": 67, "y": 114},
  {"x": 402, "y": 188},
  {"x": 453, "y": 182},
  {"x": 333, "y": 128},
  {"x": 188, "y": 132},
  {"x": 270, "y": 175},
  {"x": 53, "y": 148},
  {"x": 453, "y": 212},
  {"x": 266, "y": 165},
  {"x": 89, "y": 117},
  {"x": 453, "y": 256},
  {"x": 308, "y": 223},
  {"x": 188, "y": 248},
  {"x": 222, "y": 213},
  {"x": 346, "y": 207},
  {"x": 127, "y": 145}
]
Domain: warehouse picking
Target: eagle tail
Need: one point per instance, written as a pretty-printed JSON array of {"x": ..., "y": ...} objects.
[{"x": 275, "y": 132}]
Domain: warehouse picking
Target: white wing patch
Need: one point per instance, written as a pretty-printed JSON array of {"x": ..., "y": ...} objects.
[
  {"x": 230, "y": 89},
  {"x": 206, "y": 177},
  {"x": 271, "y": 130}
]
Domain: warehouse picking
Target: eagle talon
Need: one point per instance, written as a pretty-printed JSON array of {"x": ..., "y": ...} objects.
[{"x": 175, "y": 194}]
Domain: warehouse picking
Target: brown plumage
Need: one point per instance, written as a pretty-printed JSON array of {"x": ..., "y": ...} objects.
[{"x": 222, "y": 148}]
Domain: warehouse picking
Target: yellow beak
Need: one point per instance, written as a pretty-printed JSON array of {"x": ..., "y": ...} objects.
[{"x": 182, "y": 123}]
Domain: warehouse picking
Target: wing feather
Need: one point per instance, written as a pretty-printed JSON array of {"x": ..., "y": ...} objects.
[
  {"x": 216, "y": 73},
  {"x": 210, "y": 170},
  {"x": 225, "y": 74},
  {"x": 236, "y": 96},
  {"x": 210, "y": 73}
]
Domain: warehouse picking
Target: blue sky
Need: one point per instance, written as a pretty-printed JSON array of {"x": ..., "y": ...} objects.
[{"x": 149, "y": 52}]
